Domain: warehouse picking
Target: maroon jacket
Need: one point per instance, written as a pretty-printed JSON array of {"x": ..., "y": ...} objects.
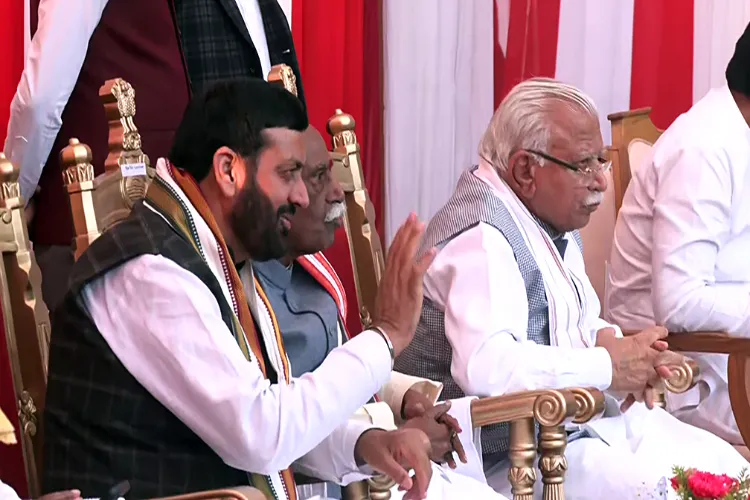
[{"x": 136, "y": 40}]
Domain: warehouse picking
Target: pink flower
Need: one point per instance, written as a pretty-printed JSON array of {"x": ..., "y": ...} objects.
[{"x": 711, "y": 486}]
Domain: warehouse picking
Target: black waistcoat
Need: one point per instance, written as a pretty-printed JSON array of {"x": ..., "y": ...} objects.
[{"x": 101, "y": 426}]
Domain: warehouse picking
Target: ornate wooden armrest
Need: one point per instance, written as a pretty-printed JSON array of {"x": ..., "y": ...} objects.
[
  {"x": 708, "y": 342},
  {"x": 552, "y": 409},
  {"x": 738, "y": 367},
  {"x": 685, "y": 375},
  {"x": 237, "y": 493}
]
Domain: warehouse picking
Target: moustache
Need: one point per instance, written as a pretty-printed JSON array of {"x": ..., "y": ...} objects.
[
  {"x": 284, "y": 210},
  {"x": 594, "y": 198},
  {"x": 336, "y": 211}
]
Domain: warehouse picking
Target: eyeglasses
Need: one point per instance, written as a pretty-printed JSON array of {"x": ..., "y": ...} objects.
[{"x": 588, "y": 167}]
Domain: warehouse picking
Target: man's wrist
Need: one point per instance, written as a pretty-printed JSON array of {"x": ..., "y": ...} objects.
[
  {"x": 387, "y": 340},
  {"x": 357, "y": 453}
]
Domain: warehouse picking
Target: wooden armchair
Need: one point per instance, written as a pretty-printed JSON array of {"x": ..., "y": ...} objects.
[
  {"x": 633, "y": 134},
  {"x": 98, "y": 203},
  {"x": 552, "y": 409},
  {"x": 25, "y": 321}
]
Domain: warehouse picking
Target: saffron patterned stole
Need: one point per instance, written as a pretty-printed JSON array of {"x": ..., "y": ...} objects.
[{"x": 166, "y": 195}]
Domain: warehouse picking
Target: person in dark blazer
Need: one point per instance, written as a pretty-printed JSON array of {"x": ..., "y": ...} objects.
[{"x": 166, "y": 49}]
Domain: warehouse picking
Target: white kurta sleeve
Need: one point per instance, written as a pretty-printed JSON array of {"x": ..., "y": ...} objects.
[
  {"x": 475, "y": 280},
  {"x": 54, "y": 61},
  {"x": 393, "y": 392},
  {"x": 333, "y": 459},
  {"x": 165, "y": 326},
  {"x": 692, "y": 219}
]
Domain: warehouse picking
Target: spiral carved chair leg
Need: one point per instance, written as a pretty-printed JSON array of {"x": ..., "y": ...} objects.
[
  {"x": 552, "y": 461},
  {"x": 380, "y": 487},
  {"x": 522, "y": 452}
]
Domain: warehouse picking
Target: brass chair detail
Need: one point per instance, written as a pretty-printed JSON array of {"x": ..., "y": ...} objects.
[
  {"x": 25, "y": 321},
  {"x": 98, "y": 203}
]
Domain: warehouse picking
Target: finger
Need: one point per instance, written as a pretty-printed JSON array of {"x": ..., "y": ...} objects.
[
  {"x": 422, "y": 466},
  {"x": 411, "y": 244},
  {"x": 438, "y": 412},
  {"x": 425, "y": 261},
  {"x": 398, "y": 240},
  {"x": 458, "y": 447},
  {"x": 648, "y": 337},
  {"x": 660, "y": 345},
  {"x": 670, "y": 358},
  {"x": 664, "y": 371},
  {"x": 450, "y": 460},
  {"x": 649, "y": 397},
  {"x": 625, "y": 406},
  {"x": 392, "y": 469},
  {"x": 451, "y": 422}
]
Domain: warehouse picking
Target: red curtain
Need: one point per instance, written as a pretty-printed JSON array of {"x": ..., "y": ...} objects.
[
  {"x": 12, "y": 469},
  {"x": 662, "y": 68},
  {"x": 339, "y": 47},
  {"x": 532, "y": 44}
]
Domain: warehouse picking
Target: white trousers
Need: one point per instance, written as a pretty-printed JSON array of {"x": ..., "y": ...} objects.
[{"x": 636, "y": 462}]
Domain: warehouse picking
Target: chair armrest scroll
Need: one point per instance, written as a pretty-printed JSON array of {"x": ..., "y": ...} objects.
[{"x": 548, "y": 407}]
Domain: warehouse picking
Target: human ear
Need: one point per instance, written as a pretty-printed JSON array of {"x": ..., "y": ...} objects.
[
  {"x": 522, "y": 169},
  {"x": 229, "y": 171}
]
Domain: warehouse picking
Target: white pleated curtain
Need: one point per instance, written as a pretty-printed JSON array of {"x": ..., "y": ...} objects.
[
  {"x": 438, "y": 98},
  {"x": 717, "y": 26}
]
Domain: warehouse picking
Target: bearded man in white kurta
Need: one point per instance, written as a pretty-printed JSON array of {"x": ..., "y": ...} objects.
[
  {"x": 166, "y": 366},
  {"x": 682, "y": 239},
  {"x": 508, "y": 306}
]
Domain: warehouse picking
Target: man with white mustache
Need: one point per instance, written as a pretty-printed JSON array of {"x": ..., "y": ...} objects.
[
  {"x": 508, "y": 306},
  {"x": 310, "y": 306}
]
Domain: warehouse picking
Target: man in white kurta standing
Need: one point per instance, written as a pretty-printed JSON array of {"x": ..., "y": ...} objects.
[
  {"x": 508, "y": 306},
  {"x": 682, "y": 239}
]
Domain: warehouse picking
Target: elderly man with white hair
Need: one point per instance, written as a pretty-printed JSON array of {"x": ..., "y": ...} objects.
[{"x": 508, "y": 306}]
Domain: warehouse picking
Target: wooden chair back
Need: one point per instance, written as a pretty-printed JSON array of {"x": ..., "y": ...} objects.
[
  {"x": 365, "y": 247},
  {"x": 98, "y": 203},
  {"x": 633, "y": 135},
  {"x": 629, "y": 128},
  {"x": 25, "y": 321}
]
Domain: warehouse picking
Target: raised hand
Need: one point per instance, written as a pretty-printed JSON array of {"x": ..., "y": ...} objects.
[
  {"x": 394, "y": 453},
  {"x": 399, "y": 299}
]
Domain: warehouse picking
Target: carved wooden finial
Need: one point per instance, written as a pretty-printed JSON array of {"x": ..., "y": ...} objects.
[
  {"x": 10, "y": 195},
  {"x": 281, "y": 74},
  {"x": 118, "y": 98},
  {"x": 76, "y": 161},
  {"x": 341, "y": 128}
]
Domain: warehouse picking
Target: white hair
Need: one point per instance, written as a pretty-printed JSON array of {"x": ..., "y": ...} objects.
[{"x": 522, "y": 119}]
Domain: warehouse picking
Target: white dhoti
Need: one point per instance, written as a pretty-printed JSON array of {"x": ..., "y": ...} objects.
[{"x": 632, "y": 457}]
